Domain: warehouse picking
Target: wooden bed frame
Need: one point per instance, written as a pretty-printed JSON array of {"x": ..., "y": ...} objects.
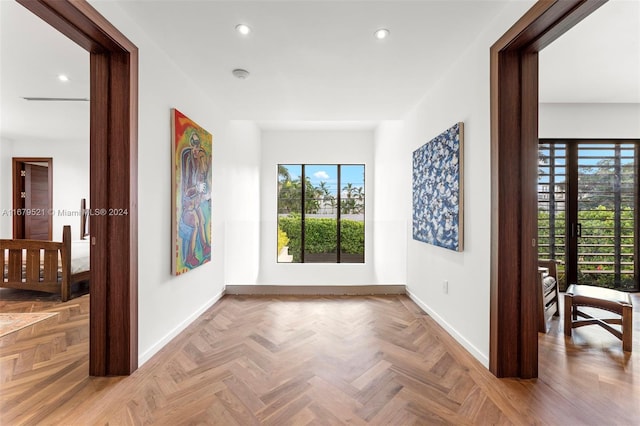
[{"x": 40, "y": 265}]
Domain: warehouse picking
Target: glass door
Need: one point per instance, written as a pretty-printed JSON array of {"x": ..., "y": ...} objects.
[
  {"x": 588, "y": 211},
  {"x": 552, "y": 191},
  {"x": 605, "y": 229}
]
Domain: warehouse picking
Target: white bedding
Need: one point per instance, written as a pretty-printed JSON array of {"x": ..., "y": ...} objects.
[{"x": 79, "y": 256}]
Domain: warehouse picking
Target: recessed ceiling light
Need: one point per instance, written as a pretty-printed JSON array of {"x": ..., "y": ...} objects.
[
  {"x": 243, "y": 29},
  {"x": 382, "y": 33},
  {"x": 63, "y": 77},
  {"x": 240, "y": 73}
]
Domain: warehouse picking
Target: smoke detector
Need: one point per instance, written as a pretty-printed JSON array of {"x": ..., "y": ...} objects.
[{"x": 240, "y": 73}]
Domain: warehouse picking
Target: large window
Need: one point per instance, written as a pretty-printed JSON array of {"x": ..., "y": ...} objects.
[
  {"x": 321, "y": 213},
  {"x": 588, "y": 211}
]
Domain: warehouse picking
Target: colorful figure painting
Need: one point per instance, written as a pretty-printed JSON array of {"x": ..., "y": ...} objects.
[
  {"x": 192, "y": 154},
  {"x": 437, "y": 190}
]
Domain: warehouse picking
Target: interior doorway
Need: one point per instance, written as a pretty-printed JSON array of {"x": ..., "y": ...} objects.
[
  {"x": 32, "y": 198},
  {"x": 113, "y": 347},
  {"x": 513, "y": 350}
]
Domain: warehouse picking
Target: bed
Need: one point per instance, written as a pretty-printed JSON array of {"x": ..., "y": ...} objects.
[{"x": 48, "y": 266}]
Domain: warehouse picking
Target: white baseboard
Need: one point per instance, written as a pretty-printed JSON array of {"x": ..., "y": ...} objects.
[
  {"x": 314, "y": 290},
  {"x": 483, "y": 358},
  {"x": 148, "y": 354}
]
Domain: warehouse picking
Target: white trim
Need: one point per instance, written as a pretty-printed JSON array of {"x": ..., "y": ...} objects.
[
  {"x": 484, "y": 359},
  {"x": 148, "y": 354},
  {"x": 311, "y": 290}
]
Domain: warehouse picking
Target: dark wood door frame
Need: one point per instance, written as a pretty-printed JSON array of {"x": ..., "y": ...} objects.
[
  {"x": 16, "y": 166},
  {"x": 113, "y": 181},
  {"x": 513, "y": 348}
]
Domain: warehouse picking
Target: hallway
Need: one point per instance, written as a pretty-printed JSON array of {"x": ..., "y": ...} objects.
[{"x": 312, "y": 360}]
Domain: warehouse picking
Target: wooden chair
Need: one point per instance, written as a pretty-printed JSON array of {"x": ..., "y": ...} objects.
[{"x": 548, "y": 305}]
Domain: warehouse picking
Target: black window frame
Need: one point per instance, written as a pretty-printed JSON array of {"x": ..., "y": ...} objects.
[
  {"x": 570, "y": 233},
  {"x": 303, "y": 213}
]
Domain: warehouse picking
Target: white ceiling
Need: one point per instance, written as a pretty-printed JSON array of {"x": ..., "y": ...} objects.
[
  {"x": 32, "y": 55},
  {"x": 309, "y": 60},
  {"x": 597, "y": 61},
  {"x": 315, "y": 60}
]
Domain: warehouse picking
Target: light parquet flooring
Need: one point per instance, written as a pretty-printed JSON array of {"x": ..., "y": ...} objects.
[
  {"x": 313, "y": 360},
  {"x": 41, "y": 364}
]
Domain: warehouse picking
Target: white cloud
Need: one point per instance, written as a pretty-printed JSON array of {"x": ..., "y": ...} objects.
[{"x": 321, "y": 174}]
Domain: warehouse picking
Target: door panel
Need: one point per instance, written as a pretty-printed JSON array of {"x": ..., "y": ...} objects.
[
  {"x": 552, "y": 206},
  {"x": 37, "y": 218},
  {"x": 605, "y": 224},
  {"x": 32, "y": 197}
]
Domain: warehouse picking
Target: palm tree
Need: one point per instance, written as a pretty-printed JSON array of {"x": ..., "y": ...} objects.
[
  {"x": 332, "y": 203},
  {"x": 289, "y": 197},
  {"x": 348, "y": 204},
  {"x": 283, "y": 176},
  {"x": 283, "y": 173},
  {"x": 311, "y": 203},
  {"x": 324, "y": 194},
  {"x": 360, "y": 200},
  {"x": 323, "y": 188}
]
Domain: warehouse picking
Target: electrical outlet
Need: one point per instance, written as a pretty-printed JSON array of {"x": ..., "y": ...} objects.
[{"x": 445, "y": 287}]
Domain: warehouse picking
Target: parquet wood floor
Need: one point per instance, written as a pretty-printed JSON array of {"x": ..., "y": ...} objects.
[{"x": 312, "y": 360}]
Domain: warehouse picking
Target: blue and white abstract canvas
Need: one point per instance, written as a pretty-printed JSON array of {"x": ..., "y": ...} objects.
[{"x": 437, "y": 190}]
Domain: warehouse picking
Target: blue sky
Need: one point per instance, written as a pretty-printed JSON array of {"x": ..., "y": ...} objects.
[{"x": 317, "y": 173}]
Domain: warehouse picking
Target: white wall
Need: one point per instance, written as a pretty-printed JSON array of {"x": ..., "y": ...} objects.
[
  {"x": 390, "y": 222},
  {"x": 591, "y": 121},
  {"x": 461, "y": 95},
  {"x": 6, "y": 147},
  {"x": 313, "y": 147},
  {"x": 166, "y": 303},
  {"x": 70, "y": 179},
  {"x": 242, "y": 203}
]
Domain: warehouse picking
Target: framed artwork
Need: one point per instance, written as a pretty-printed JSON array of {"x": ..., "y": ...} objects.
[
  {"x": 191, "y": 194},
  {"x": 437, "y": 190}
]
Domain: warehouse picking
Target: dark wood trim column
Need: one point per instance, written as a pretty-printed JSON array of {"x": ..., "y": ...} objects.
[
  {"x": 99, "y": 352},
  {"x": 530, "y": 284},
  {"x": 113, "y": 186},
  {"x": 514, "y": 144}
]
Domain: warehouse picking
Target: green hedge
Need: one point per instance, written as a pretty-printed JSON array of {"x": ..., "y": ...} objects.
[
  {"x": 598, "y": 232},
  {"x": 320, "y": 235},
  {"x": 597, "y": 224},
  {"x": 352, "y": 238}
]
